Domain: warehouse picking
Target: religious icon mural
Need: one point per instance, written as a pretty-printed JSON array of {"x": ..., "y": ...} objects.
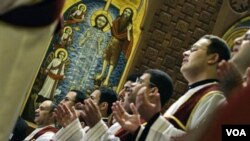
[{"x": 92, "y": 49}]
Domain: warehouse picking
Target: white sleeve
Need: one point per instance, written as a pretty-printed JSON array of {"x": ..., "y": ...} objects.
[
  {"x": 162, "y": 130},
  {"x": 96, "y": 132},
  {"x": 46, "y": 136},
  {"x": 73, "y": 130},
  {"x": 204, "y": 109}
]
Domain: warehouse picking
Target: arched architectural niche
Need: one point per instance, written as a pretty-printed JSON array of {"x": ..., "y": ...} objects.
[
  {"x": 230, "y": 13},
  {"x": 237, "y": 30}
]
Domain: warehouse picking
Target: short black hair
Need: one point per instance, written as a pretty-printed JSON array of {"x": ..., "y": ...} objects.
[
  {"x": 163, "y": 82},
  {"x": 108, "y": 95},
  {"x": 219, "y": 46},
  {"x": 80, "y": 96},
  {"x": 133, "y": 77}
]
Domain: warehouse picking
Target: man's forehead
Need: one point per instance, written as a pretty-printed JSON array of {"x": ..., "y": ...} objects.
[
  {"x": 128, "y": 83},
  {"x": 71, "y": 94},
  {"x": 95, "y": 92},
  {"x": 202, "y": 42},
  {"x": 45, "y": 104},
  {"x": 145, "y": 76}
]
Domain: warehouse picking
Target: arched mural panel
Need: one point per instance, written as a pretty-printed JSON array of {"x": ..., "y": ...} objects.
[{"x": 91, "y": 50}]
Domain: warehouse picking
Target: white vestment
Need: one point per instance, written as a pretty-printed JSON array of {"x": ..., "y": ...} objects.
[{"x": 163, "y": 130}]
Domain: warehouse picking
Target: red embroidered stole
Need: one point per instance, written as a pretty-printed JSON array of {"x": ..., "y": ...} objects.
[
  {"x": 56, "y": 76},
  {"x": 181, "y": 116},
  {"x": 41, "y": 132}
]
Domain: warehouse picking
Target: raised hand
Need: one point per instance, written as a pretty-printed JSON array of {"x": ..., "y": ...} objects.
[
  {"x": 129, "y": 122},
  {"x": 65, "y": 115},
  {"x": 90, "y": 113},
  {"x": 148, "y": 104},
  {"x": 229, "y": 76},
  {"x": 246, "y": 77}
]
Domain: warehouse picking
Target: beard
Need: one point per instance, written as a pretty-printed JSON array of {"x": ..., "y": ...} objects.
[{"x": 124, "y": 22}]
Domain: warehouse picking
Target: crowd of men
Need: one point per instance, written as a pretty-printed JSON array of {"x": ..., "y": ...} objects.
[{"x": 218, "y": 85}]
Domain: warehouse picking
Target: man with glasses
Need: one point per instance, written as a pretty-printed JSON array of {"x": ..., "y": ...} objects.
[
  {"x": 199, "y": 67},
  {"x": 235, "y": 89},
  {"x": 153, "y": 80}
]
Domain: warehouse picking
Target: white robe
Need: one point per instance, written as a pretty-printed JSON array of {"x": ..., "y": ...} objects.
[
  {"x": 100, "y": 132},
  {"x": 48, "y": 84},
  {"x": 163, "y": 130}
]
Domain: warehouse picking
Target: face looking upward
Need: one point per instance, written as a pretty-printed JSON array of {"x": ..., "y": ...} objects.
[
  {"x": 69, "y": 99},
  {"x": 126, "y": 95},
  {"x": 43, "y": 114},
  {"x": 238, "y": 42},
  {"x": 195, "y": 59},
  {"x": 144, "y": 86},
  {"x": 95, "y": 96}
]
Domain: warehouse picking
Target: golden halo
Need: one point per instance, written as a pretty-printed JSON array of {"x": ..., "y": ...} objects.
[
  {"x": 231, "y": 36},
  {"x": 62, "y": 50},
  {"x": 67, "y": 27},
  {"x": 101, "y": 12},
  {"x": 80, "y": 5},
  {"x": 131, "y": 7}
]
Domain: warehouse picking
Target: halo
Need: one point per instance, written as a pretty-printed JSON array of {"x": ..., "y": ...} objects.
[
  {"x": 101, "y": 12},
  {"x": 233, "y": 35},
  {"x": 131, "y": 7},
  {"x": 85, "y": 7},
  {"x": 67, "y": 27},
  {"x": 62, "y": 50}
]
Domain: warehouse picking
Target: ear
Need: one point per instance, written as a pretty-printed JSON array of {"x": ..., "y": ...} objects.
[
  {"x": 52, "y": 116},
  {"x": 152, "y": 95},
  {"x": 213, "y": 58},
  {"x": 154, "y": 90},
  {"x": 103, "y": 106}
]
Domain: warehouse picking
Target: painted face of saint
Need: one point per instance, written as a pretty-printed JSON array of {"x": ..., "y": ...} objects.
[
  {"x": 61, "y": 55},
  {"x": 127, "y": 12},
  {"x": 101, "y": 21}
]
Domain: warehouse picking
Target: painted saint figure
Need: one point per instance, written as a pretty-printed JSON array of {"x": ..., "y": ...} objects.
[
  {"x": 121, "y": 40},
  {"x": 55, "y": 72},
  {"x": 78, "y": 15},
  {"x": 90, "y": 44},
  {"x": 65, "y": 38}
]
